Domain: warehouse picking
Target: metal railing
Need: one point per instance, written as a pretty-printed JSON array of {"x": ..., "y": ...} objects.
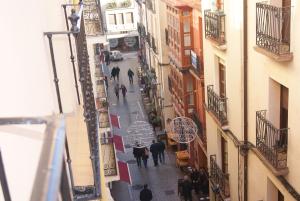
[
  {"x": 94, "y": 24},
  {"x": 273, "y": 28},
  {"x": 217, "y": 105},
  {"x": 154, "y": 48},
  {"x": 148, "y": 39},
  {"x": 219, "y": 179},
  {"x": 271, "y": 141},
  {"x": 90, "y": 114},
  {"x": 215, "y": 26}
]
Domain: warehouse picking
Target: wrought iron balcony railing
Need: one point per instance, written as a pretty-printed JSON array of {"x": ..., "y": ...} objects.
[
  {"x": 217, "y": 105},
  {"x": 273, "y": 28},
  {"x": 153, "y": 44},
  {"x": 170, "y": 84},
  {"x": 218, "y": 178},
  {"x": 271, "y": 141},
  {"x": 215, "y": 26},
  {"x": 148, "y": 38}
]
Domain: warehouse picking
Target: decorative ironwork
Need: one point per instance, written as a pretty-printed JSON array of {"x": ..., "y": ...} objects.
[
  {"x": 215, "y": 26},
  {"x": 148, "y": 39},
  {"x": 271, "y": 141},
  {"x": 170, "y": 84},
  {"x": 90, "y": 112},
  {"x": 183, "y": 129},
  {"x": 201, "y": 132},
  {"x": 273, "y": 28},
  {"x": 217, "y": 105},
  {"x": 219, "y": 179},
  {"x": 92, "y": 17}
]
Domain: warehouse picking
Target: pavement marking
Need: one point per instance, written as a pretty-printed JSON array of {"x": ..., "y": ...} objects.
[{"x": 141, "y": 110}]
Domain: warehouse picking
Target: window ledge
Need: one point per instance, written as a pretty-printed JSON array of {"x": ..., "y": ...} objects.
[
  {"x": 219, "y": 46},
  {"x": 279, "y": 58}
]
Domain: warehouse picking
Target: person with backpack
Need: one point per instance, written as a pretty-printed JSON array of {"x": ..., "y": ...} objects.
[
  {"x": 145, "y": 156},
  {"x": 124, "y": 90},
  {"x": 130, "y": 76},
  {"x": 146, "y": 194}
]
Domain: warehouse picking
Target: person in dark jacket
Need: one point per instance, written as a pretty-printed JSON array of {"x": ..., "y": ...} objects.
[
  {"x": 187, "y": 189},
  {"x": 113, "y": 73},
  {"x": 195, "y": 177},
  {"x": 145, "y": 194},
  {"x": 124, "y": 90},
  {"x": 138, "y": 153},
  {"x": 130, "y": 76},
  {"x": 145, "y": 156},
  {"x": 154, "y": 150},
  {"x": 107, "y": 59},
  {"x": 161, "y": 151},
  {"x": 117, "y": 72}
]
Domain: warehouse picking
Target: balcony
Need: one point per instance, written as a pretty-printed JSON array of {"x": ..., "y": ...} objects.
[
  {"x": 273, "y": 31},
  {"x": 92, "y": 18},
  {"x": 217, "y": 105},
  {"x": 219, "y": 179},
  {"x": 271, "y": 141},
  {"x": 215, "y": 26}
]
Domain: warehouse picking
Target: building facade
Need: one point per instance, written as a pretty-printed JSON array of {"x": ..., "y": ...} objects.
[
  {"x": 250, "y": 51},
  {"x": 121, "y": 19},
  {"x": 56, "y": 127}
]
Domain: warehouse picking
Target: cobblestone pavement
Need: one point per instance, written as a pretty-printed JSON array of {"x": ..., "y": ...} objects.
[{"x": 162, "y": 180}]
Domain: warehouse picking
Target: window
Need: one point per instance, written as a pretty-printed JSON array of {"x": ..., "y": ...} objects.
[
  {"x": 224, "y": 153},
  {"x": 284, "y": 104},
  {"x": 187, "y": 52},
  {"x": 129, "y": 18},
  {"x": 112, "y": 19},
  {"x": 222, "y": 80},
  {"x": 187, "y": 40},
  {"x": 185, "y": 13},
  {"x": 167, "y": 36},
  {"x": 186, "y": 25},
  {"x": 120, "y": 18}
]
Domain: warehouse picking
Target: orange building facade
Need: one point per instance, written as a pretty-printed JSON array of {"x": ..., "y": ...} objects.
[{"x": 186, "y": 80}]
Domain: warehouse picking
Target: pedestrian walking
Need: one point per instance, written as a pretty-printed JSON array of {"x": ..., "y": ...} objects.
[
  {"x": 161, "y": 151},
  {"x": 107, "y": 60},
  {"x": 117, "y": 90},
  {"x": 117, "y": 72},
  {"x": 130, "y": 76},
  {"x": 137, "y": 153},
  {"x": 145, "y": 156},
  {"x": 195, "y": 177},
  {"x": 154, "y": 151},
  {"x": 145, "y": 194},
  {"x": 113, "y": 73},
  {"x": 124, "y": 90},
  {"x": 186, "y": 189}
]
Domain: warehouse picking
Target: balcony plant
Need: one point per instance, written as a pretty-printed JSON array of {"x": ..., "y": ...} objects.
[
  {"x": 111, "y": 5},
  {"x": 125, "y": 4}
]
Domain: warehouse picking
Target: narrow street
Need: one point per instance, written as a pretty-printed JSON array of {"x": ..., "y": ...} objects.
[{"x": 162, "y": 180}]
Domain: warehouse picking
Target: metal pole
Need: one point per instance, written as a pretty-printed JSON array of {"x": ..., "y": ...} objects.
[
  {"x": 55, "y": 73},
  {"x": 72, "y": 56},
  {"x": 3, "y": 181}
]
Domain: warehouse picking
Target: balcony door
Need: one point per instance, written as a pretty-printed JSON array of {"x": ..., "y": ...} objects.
[
  {"x": 222, "y": 81},
  {"x": 286, "y": 18},
  {"x": 284, "y": 101},
  {"x": 224, "y": 154}
]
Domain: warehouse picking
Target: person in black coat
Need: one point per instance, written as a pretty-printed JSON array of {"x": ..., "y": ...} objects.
[
  {"x": 187, "y": 189},
  {"x": 117, "y": 72},
  {"x": 113, "y": 73},
  {"x": 154, "y": 150},
  {"x": 161, "y": 151},
  {"x": 138, "y": 153},
  {"x": 195, "y": 177},
  {"x": 145, "y": 194}
]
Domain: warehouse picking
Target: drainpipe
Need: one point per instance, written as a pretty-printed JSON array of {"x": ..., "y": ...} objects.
[{"x": 245, "y": 43}]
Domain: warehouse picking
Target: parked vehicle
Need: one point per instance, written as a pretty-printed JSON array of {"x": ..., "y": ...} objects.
[{"x": 115, "y": 55}]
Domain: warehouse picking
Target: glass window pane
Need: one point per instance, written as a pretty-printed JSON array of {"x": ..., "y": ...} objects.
[
  {"x": 186, "y": 26},
  {"x": 187, "y": 40},
  {"x": 112, "y": 19},
  {"x": 187, "y": 52},
  {"x": 129, "y": 18},
  {"x": 120, "y": 18}
]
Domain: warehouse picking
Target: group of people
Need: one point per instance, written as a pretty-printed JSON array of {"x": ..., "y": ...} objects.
[
  {"x": 141, "y": 153},
  {"x": 198, "y": 181},
  {"x": 115, "y": 71},
  {"x": 123, "y": 89}
]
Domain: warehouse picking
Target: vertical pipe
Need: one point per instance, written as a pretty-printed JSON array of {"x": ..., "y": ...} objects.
[
  {"x": 72, "y": 56},
  {"x": 55, "y": 73},
  {"x": 245, "y": 52}
]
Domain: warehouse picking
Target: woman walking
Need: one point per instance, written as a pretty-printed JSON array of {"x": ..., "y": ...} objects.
[{"x": 145, "y": 156}]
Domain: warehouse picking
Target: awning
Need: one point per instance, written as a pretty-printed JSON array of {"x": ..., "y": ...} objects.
[
  {"x": 114, "y": 119},
  {"x": 118, "y": 141},
  {"x": 124, "y": 172}
]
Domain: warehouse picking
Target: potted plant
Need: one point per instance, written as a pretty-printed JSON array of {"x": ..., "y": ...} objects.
[
  {"x": 125, "y": 4},
  {"x": 111, "y": 5}
]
